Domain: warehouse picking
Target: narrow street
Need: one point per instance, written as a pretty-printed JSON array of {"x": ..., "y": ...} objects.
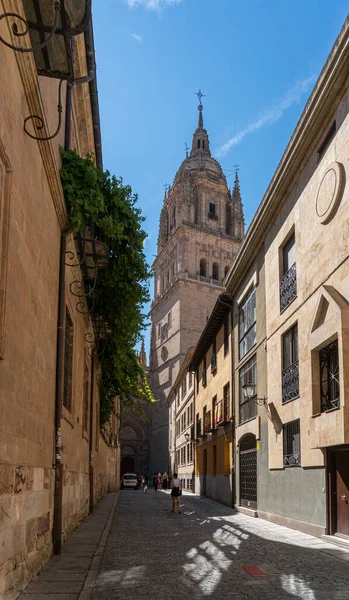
[{"x": 148, "y": 552}]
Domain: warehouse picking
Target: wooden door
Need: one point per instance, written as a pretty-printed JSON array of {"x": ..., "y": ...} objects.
[
  {"x": 204, "y": 472},
  {"x": 342, "y": 491}
]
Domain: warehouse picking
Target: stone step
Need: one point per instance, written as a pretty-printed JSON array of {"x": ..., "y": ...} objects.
[{"x": 337, "y": 540}]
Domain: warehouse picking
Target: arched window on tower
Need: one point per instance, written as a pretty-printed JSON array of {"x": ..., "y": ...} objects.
[
  {"x": 226, "y": 271},
  {"x": 212, "y": 209},
  {"x": 203, "y": 268},
  {"x": 196, "y": 210},
  {"x": 173, "y": 223},
  {"x": 215, "y": 271},
  {"x": 203, "y": 144}
]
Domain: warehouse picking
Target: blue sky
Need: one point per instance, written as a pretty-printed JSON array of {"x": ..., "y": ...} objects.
[{"x": 256, "y": 62}]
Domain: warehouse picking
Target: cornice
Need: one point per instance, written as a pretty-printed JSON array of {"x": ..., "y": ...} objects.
[
  {"x": 29, "y": 77},
  {"x": 318, "y": 110}
]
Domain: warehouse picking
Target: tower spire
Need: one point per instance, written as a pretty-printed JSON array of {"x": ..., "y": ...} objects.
[
  {"x": 200, "y": 137},
  {"x": 237, "y": 208}
]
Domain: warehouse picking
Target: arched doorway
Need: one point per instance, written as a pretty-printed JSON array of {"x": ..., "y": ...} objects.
[
  {"x": 248, "y": 472},
  {"x": 127, "y": 465}
]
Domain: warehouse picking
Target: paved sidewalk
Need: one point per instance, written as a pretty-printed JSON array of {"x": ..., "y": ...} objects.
[
  {"x": 69, "y": 575},
  {"x": 201, "y": 553}
]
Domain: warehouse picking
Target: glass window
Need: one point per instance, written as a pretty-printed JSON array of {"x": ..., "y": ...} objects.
[
  {"x": 226, "y": 334},
  {"x": 248, "y": 374},
  {"x": 329, "y": 377},
  {"x": 292, "y": 444},
  {"x": 289, "y": 254},
  {"x": 215, "y": 271},
  {"x": 226, "y": 399},
  {"x": 212, "y": 209},
  {"x": 68, "y": 362},
  {"x": 290, "y": 347},
  {"x": 247, "y": 323}
]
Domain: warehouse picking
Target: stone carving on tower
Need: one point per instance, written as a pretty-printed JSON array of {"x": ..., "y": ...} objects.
[{"x": 200, "y": 231}]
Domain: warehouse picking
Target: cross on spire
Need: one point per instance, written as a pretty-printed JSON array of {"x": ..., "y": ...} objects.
[
  {"x": 186, "y": 149},
  {"x": 200, "y": 95}
]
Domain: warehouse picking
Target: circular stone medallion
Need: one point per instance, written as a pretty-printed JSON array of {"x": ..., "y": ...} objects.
[{"x": 330, "y": 192}]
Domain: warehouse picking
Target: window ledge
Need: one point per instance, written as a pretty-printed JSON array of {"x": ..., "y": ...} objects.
[
  {"x": 67, "y": 416},
  {"x": 248, "y": 421},
  {"x": 291, "y": 400},
  {"x": 331, "y": 410}
]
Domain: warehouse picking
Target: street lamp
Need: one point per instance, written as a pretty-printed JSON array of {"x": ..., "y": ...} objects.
[{"x": 250, "y": 393}]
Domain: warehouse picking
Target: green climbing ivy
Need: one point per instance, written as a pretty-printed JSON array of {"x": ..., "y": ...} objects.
[{"x": 123, "y": 287}]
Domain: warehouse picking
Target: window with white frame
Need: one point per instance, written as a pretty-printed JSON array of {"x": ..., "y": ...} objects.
[{"x": 247, "y": 323}]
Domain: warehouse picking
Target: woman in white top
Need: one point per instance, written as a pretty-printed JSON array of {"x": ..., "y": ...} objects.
[{"x": 176, "y": 492}]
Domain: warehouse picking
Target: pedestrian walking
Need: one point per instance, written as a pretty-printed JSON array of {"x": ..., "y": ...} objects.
[
  {"x": 155, "y": 482},
  {"x": 176, "y": 492},
  {"x": 145, "y": 483},
  {"x": 160, "y": 481},
  {"x": 165, "y": 481}
]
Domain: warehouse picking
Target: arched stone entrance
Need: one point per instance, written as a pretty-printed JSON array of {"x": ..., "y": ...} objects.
[
  {"x": 127, "y": 465},
  {"x": 248, "y": 471}
]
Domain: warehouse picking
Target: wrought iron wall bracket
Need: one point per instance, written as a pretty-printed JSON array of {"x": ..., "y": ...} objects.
[
  {"x": 40, "y": 122},
  {"x": 17, "y": 33}
]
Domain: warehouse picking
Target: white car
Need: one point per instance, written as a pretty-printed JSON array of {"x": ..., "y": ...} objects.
[{"x": 129, "y": 480}]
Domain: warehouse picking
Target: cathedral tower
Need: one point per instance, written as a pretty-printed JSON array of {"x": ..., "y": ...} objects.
[{"x": 200, "y": 232}]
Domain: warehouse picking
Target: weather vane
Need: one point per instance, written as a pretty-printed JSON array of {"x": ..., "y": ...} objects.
[{"x": 200, "y": 95}]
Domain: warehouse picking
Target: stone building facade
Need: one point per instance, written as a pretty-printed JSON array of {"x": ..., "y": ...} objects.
[
  {"x": 134, "y": 434},
  {"x": 211, "y": 366},
  {"x": 200, "y": 232},
  {"x": 54, "y": 462},
  {"x": 290, "y": 285},
  {"x": 181, "y": 401}
]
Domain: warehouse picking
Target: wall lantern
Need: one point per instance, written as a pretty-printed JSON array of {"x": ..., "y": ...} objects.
[
  {"x": 187, "y": 436},
  {"x": 249, "y": 390}
]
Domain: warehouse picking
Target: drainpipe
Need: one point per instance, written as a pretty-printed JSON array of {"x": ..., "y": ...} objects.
[
  {"x": 90, "y": 442},
  {"x": 58, "y": 493}
]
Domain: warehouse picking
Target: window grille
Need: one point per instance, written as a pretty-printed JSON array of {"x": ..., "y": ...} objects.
[
  {"x": 329, "y": 377},
  {"x": 288, "y": 283},
  {"x": 292, "y": 444},
  {"x": 290, "y": 372}
]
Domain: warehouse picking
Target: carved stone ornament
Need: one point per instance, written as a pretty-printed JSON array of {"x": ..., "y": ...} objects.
[{"x": 330, "y": 192}]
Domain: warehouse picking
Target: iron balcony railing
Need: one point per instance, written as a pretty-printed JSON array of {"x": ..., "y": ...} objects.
[
  {"x": 292, "y": 460},
  {"x": 288, "y": 288},
  {"x": 290, "y": 382}
]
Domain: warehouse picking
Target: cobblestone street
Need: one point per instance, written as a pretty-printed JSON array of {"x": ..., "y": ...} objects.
[
  {"x": 143, "y": 551},
  {"x": 152, "y": 553}
]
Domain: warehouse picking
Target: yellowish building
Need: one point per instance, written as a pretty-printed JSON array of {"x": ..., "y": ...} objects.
[
  {"x": 181, "y": 437},
  {"x": 211, "y": 364}
]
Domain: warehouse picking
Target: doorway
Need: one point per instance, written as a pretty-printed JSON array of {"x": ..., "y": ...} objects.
[
  {"x": 338, "y": 467},
  {"x": 127, "y": 465},
  {"x": 204, "y": 472},
  {"x": 248, "y": 473}
]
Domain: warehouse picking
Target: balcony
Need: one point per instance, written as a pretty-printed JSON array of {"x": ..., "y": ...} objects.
[
  {"x": 207, "y": 422},
  {"x": 212, "y": 216},
  {"x": 219, "y": 413},
  {"x": 290, "y": 383},
  {"x": 199, "y": 433},
  {"x": 288, "y": 288}
]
